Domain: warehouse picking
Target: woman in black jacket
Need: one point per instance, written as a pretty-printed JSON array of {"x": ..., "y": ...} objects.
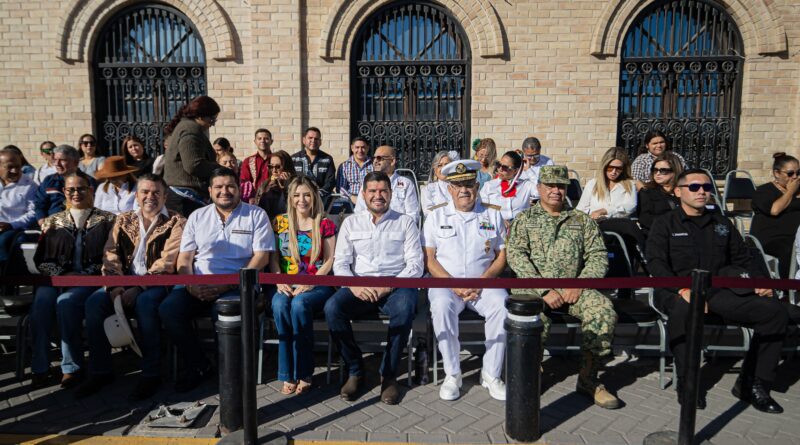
[{"x": 657, "y": 197}]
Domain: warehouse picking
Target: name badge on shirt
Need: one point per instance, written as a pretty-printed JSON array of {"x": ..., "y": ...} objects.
[
  {"x": 574, "y": 227},
  {"x": 242, "y": 232},
  {"x": 445, "y": 227},
  {"x": 680, "y": 234}
]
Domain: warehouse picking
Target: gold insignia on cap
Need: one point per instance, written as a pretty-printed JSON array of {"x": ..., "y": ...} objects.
[{"x": 461, "y": 168}]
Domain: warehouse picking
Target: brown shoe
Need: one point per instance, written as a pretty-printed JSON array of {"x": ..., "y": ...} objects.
[
  {"x": 71, "y": 380},
  {"x": 390, "y": 393},
  {"x": 589, "y": 385},
  {"x": 351, "y": 387}
]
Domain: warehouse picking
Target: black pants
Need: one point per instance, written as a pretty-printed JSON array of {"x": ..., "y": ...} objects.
[
  {"x": 766, "y": 316},
  {"x": 782, "y": 250},
  {"x": 179, "y": 204}
]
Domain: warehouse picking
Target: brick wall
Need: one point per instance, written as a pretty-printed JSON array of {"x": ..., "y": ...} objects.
[{"x": 547, "y": 82}]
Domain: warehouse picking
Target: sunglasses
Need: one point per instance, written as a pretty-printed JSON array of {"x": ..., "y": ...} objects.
[
  {"x": 90, "y": 143},
  {"x": 662, "y": 171},
  {"x": 790, "y": 173},
  {"x": 73, "y": 190},
  {"x": 613, "y": 168},
  {"x": 47, "y": 151},
  {"x": 505, "y": 168},
  {"x": 382, "y": 158},
  {"x": 707, "y": 187},
  {"x": 276, "y": 166}
]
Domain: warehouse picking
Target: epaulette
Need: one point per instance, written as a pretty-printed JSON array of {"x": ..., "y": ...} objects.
[
  {"x": 437, "y": 206},
  {"x": 491, "y": 206}
]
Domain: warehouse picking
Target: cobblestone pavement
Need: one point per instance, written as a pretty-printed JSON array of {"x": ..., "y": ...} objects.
[{"x": 567, "y": 418}]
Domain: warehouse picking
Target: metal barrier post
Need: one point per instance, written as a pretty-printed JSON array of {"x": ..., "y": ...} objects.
[
  {"x": 701, "y": 283},
  {"x": 229, "y": 343},
  {"x": 523, "y": 367},
  {"x": 248, "y": 282}
]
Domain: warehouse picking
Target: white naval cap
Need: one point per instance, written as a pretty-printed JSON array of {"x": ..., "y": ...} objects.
[{"x": 462, "y": 170}]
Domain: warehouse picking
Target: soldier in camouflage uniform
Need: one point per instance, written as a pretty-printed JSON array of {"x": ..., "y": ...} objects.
[{"x": 548, "y": 241}]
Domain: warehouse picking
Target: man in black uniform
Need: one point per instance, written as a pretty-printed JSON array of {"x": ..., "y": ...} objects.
[{"x": 694, "y": 237}]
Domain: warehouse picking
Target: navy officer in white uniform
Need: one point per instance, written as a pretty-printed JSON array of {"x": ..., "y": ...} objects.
[{"x": 465, "y": 239}]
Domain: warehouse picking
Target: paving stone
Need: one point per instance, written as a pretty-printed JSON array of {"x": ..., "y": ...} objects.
[
  {"x": 347, "y": 435},
  {"x": 311, "y": 435},
  {"x": 434, "y": 439},
  {"x": 469, "y": 438},
  {"x": 387, "y": 437}
]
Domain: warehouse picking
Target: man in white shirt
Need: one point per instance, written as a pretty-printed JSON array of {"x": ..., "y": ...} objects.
[
  {"x": 142, "y": 242},
  {"x": 379, "y": 242},
  {"x": 220, "y": 238},
  {"x": 17, "y": 210},
  {"x": 465, "y": 239},
  {"x": 404, "y": 191},
  {"x": 533, "y": 160}
]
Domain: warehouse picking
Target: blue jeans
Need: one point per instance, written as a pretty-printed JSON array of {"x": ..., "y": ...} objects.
[
  {"x": 99, "y": 306},
  {"x": 294, "y": 320},
  {"x": 66, "y": 304},
  {"x": 400, "y": 306},
  {"x": 177, "y": 312}
]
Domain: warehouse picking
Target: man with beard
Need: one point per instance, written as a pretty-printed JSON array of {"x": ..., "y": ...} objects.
[
  {"x": 220, "y": 238},
  {"x": 255, "y": 168},
  {"x": 549, "y": 241},
  {"x": 315, "y": 163},
  {"x": 404, "y": 191},
  {"x": 465, "y": 239},
  {"x": 142, "y": 242},
  {"x": 694, "y": 237},
  {"x": 379, "y": 242}
]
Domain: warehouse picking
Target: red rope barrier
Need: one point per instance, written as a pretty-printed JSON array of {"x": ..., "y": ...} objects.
[{"x": 330, "y": 280}]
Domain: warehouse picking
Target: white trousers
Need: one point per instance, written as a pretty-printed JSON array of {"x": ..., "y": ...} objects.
[{"x": 445, "y": 307}]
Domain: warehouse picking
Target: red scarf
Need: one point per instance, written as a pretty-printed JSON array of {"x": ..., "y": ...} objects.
[{"x": 506, "y": 191}]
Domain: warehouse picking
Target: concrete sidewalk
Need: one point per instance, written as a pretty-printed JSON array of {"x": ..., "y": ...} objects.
[{"x": 421, "y": 417}]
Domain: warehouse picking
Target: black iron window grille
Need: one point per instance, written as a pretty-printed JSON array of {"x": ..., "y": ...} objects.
[
  {"x": 681, "y": 74},
  {"x": 149, "y": 61},
  {"x": 410, "y": 83}
]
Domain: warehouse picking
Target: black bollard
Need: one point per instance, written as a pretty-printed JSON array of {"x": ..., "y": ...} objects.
[
  {"x": 523, "y": 363},
  {"x": 229, "y": 343},
  {"x": 701, "y": 282},
  {"x": 249, "y": 290}
]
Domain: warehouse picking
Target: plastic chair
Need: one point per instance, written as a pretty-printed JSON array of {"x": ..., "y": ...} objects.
[{"x": 738, "y": 188}]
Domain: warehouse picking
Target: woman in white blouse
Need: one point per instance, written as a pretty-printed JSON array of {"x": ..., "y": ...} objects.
[
  {"x": 435, "y": 191},
  {"x": 117, "y": 191},
  {"x": 612, "y": 192},
  {"x": 508, "y": 190}
]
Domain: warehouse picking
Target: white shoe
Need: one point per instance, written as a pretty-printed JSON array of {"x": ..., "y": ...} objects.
[
  {"x": 451, "y": 387},
  {"x": 496, "y": 387}
]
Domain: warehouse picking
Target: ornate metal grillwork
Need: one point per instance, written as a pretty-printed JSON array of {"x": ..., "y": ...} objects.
[
  {"x": 681, "y": 74},
  {"x": 410, "y": 77},
  {"x": 149, "y": 61}
]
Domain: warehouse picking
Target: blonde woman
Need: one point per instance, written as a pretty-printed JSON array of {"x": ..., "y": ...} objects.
[
  {"x": 612, "y": 192},
  {"x": 305, "y": 245}
]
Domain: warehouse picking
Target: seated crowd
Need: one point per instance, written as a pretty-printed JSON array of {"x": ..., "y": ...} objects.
[{"x": 210, "y": 214}]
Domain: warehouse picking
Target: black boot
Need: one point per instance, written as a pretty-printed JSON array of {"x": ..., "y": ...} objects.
[
  {"x": 701, "y": 396},
  {"x": 756, "y": 394}
]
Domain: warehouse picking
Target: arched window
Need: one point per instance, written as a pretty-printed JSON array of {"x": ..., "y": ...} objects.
[
  {"x": 410, "y": 83},
  {"x": 681, "y": 73},
  {"x": 149, "y": 60}
]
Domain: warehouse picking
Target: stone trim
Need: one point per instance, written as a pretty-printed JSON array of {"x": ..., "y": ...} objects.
[
  {"x": 84, "y": 18},
  {"x": 477, "y": 17},
  {"x": 762, "y": 31}
]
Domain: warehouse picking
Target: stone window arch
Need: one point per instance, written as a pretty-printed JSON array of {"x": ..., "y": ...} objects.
[{"x": 681, "y": 73}]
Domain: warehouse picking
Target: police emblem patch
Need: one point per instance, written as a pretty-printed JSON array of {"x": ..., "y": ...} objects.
[{"x": 721, "y": 229}]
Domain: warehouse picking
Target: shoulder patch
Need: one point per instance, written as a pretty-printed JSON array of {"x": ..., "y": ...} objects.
[{"x": 437, "y": 206}]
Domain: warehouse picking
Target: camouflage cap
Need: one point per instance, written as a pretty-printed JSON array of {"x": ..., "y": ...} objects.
[{"x": 554, "y": 174}]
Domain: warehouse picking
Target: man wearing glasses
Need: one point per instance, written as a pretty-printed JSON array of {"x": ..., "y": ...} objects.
[
  {"x": 693, "y": 236},
  {"x": 404, "y": 191},
  {"x": 47, "y": 169},
  {"x": 533, "y": 159},
  {"x": 49, "y": 197}
]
